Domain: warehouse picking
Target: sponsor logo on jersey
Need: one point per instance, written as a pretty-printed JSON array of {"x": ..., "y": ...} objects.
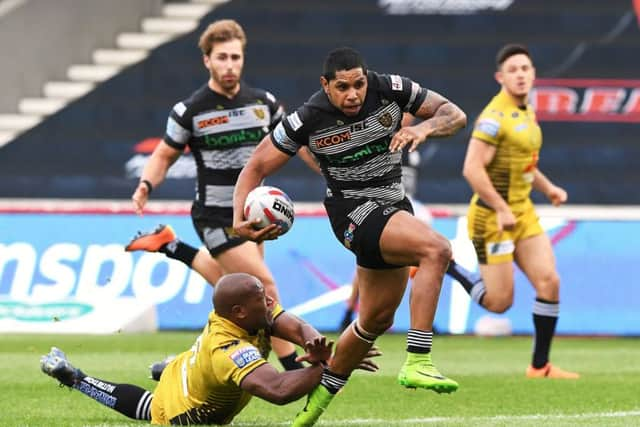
[
  {"x": 212, "y": 121},
  {"x": 521, "y": 127},
  {"x": 233, "y": 138},
  {"x": 488, "y": 126},
  {"x": 396, "y": 82},
  {"x": 244, "y": 356},
  {"x": 328, "y": 141},
  {"x": 294, "y": 121},
  {"x": 385, "y": 119},
  {"x": 500, "y": 248},
  {"x": 368, "y": 150}
]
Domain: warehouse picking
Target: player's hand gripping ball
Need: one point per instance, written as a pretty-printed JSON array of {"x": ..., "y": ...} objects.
[{"x": 271, "y": 206}]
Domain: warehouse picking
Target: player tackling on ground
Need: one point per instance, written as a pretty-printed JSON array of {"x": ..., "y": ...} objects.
[{"x": 227, "y": 365}]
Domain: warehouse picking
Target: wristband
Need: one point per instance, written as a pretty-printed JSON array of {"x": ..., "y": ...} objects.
[{"x": 148, "y": 184}]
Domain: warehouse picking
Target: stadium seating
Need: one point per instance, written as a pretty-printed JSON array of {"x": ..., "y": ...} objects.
[{"x": 82, "y": 150}]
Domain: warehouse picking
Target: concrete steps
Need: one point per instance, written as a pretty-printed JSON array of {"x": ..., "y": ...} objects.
[{"x": 130, "y": 48}]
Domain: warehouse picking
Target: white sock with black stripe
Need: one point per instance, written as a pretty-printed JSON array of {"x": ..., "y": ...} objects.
[
  {"x": 419, "y": 341},
  {"x": 332, "y": 381}
]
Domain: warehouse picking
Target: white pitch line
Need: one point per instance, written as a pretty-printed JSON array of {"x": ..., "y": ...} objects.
[{"x": 429, "y": 420}]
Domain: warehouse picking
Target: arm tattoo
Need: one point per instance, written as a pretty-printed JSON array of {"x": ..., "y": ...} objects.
[
  {"x": 443, "y": 116},
  {"x": 446, "y": 120}
]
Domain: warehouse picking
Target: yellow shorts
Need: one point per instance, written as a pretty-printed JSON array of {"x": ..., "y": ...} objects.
[
  {"x": 492, "y": 246},
  {"x": 166, "y": 404},
  {"x": 158, "y": 415}
]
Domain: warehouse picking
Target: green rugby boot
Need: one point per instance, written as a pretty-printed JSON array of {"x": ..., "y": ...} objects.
[
  {"x": 418, "y": 371},
  {"x": 317, "y": 402}
]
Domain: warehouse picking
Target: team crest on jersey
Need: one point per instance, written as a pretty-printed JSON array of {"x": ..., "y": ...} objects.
[
  {"x": 244, "y": 356},
  {"x": 259, "y": 113},
  {"x": 385, "y": 119},
  {"x": 339, "y": 122}
]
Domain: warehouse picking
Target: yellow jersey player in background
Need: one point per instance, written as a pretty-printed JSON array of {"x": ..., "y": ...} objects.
[
  {"x": 214, "y": 380},
  {"x": 501, "y": 165}
]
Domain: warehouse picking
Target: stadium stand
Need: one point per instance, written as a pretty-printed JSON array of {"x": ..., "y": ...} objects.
[{"x": 92, "y": 147}]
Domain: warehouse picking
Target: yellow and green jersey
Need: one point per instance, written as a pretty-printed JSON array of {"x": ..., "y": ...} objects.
[
  {"x": 515, "y": 133},
  {"x": 202, "y": 385}
]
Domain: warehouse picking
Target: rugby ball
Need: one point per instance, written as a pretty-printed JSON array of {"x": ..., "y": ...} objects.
[{"x": 271, "y": 206}]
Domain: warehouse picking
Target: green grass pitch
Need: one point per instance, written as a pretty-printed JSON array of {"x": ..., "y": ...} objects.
[{"x": 493, "y": 390}]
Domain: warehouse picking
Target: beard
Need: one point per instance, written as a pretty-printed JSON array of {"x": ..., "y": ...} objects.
[{"x": 226, "y": 84}]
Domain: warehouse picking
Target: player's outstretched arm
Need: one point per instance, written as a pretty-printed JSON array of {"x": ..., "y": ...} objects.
[
  {"x": 293, "y": 329},
  {"x": 154, "y": 172},
  {"x": 281, "y": 388}
]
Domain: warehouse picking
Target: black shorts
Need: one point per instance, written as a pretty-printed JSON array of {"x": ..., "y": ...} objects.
[
  {"x": 358, "y": 225},
  {"x": 215, "y": 228}
]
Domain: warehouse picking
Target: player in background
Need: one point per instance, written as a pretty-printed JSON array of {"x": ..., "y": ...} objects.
[
  {"x": 222, "y": 122},
  {"x": 501, "y": 166},
  {"x": 227, "y": 365},
  {"x": 352, "y": 126}
]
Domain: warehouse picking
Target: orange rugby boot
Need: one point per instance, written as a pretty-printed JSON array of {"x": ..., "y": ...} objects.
[
  {"x": 151, "y": 241},
  {"x": 551, "y": 371}
]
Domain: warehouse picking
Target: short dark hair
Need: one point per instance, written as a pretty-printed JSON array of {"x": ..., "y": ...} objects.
[
  {"x": 507, "y": 51},
  {"x": 342, "y": 58}
]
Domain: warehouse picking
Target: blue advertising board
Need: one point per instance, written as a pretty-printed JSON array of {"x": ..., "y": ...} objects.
[{"x": 55, "y": 257}]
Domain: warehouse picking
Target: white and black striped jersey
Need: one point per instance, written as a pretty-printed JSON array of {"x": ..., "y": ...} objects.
[
  {"x": 353, "y": 152},
  {"x": 222, "y": 134}
]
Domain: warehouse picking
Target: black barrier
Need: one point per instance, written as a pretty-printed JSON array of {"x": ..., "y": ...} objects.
[{"x": 96, "y": 146}]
